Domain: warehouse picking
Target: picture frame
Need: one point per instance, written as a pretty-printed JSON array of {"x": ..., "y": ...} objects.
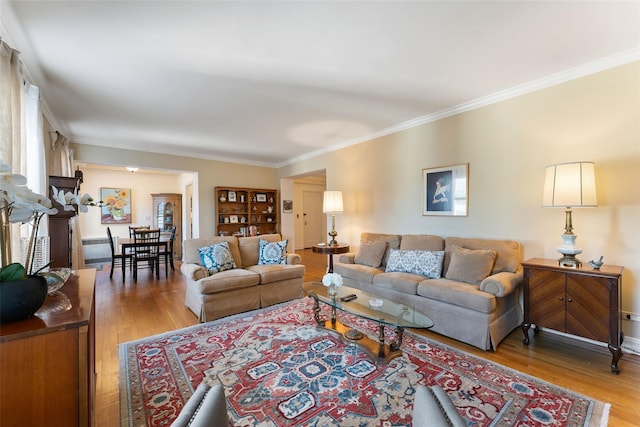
[
  {"x": 233, "y": 219},
  {"x": 287, "y": 206},
  {"x": 231, "y": 196},
  {"x": 261, "y": 197},
  {"x": 445, "y": 191},
  {"x": 116, "y": 207}
]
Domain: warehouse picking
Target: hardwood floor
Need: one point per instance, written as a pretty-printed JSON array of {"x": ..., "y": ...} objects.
[{"x": 126, "y": 312}]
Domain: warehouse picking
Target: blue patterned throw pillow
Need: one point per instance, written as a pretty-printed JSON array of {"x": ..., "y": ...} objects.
[
  {"x": 217, "y": 257},
  {"x": 273, "y": 252},
  {"x": 425, "y": 263}
]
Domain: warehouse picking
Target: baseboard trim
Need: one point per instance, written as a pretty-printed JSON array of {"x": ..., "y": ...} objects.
[
  {"x": 97, "y": 261},
  {"x": 631, "y": 345}
]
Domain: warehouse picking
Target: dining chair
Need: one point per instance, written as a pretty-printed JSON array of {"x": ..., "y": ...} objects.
[
  {"x": 133, "y": 228},
  {"x": 117, "y": 257},
  {"x": 146, "y": 251},
  {"x": 167, "y": 251}
]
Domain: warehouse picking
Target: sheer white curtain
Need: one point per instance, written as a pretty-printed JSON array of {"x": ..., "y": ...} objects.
[
  {"x": 11, "y": 130},
  {"x": 34, "y": 169},
  {"x": 61, "y": 156},
  {"x": 62, "y": 165}
]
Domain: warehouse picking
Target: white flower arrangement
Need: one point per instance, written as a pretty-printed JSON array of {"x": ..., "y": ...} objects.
[
  {"x": 69, "y": 200},
  {"x": 18, "y": 204},
  {"x": 332, "y": 279}
]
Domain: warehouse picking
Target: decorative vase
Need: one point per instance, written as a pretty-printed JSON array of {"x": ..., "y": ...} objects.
[
  {"x": 20, "y": 299},
  {"x": 332, "y": 290},
  {"x": 117, "y": 214}
]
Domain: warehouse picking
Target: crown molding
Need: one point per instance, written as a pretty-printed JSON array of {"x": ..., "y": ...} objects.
[{"x": 584, "y": 70}]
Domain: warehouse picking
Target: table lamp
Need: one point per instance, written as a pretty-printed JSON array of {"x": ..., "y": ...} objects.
[
  {"x": 569, "y": 185},
  {"x": 332, "y": 203}
]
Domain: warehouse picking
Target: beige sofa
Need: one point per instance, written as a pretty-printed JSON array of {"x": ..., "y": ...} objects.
[
  {"x": 475, "y": 297},
  {"x": 247, "y": 287}
]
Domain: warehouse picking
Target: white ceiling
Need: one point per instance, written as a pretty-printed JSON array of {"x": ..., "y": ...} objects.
[{"x": 269, "y": 82}]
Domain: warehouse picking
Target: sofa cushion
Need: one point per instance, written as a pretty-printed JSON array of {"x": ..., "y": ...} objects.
[
  {"x": 507, "y": 252},
  {"x": 217, "y": 257},
  {"x": 371, "y": 253},
  {"x": 406, "y": 283},
  {"x": 357, "y": 272},
  {"x": 458, "y": 293},
  {"x": 470, "y": 266},
  {"x": 228, "y": 280},
  {"x": 273, "y": 252},
  {"x": 425, "y": 263},
  {"x": 424, "y": 242},
  {"x": 275, "y": 273},
  {"x": 250, "y": 248},
  {"x": 393, "y": 242},
  {"x": 191, "y": 246}
]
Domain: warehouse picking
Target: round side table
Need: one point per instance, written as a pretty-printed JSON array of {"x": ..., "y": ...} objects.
[{"x": 331, "y": 250}]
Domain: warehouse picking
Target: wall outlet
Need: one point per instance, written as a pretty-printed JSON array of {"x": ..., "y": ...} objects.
[{"x": 630, "y": 316}]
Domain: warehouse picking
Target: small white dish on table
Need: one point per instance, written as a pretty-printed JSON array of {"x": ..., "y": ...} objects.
[{"x": 376, "y": 303}]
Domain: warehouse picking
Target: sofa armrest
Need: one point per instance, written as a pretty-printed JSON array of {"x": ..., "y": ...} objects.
[
  {"x": 293, "y": 259},
  {"x": 501, "y": 284},
  {"x": 194, "y": 272},
  {"x": 348, "y": 258}
]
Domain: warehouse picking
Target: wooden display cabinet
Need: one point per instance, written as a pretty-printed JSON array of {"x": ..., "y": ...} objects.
[
  {"x": 578, "y": 301},
  {"x": 167, "y": 213},
  {"x": 246, "y": 211}
]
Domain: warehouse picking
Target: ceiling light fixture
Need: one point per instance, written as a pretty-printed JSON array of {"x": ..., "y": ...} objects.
[{"x": 131, "y": 169}]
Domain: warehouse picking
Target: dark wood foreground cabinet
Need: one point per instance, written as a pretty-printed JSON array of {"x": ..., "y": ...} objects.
[
  {"x": 60, "y": 233},
  {"x": 47, "y": 362},
  {"x": 578, "y": 301}
]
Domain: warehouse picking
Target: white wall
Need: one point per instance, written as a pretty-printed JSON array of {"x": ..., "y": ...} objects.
[
  {"x": 142, "y": 185},
  {"x": 207, "y": 174},
  {"x": 507, "y": 146}
]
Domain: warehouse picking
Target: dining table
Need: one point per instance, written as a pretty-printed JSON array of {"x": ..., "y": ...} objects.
[{"x": 127, "y": 243}]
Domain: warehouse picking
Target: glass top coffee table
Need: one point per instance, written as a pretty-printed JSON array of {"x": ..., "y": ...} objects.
[{"x": 381, "y": 310}]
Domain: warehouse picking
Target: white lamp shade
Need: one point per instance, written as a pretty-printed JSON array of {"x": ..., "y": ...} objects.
[
  {"x": 332, "y": 202},
  {"x": 570, "y": 185}
]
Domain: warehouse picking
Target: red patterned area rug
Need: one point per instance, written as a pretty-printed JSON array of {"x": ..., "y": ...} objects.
[{"x": 278, "y": 369}]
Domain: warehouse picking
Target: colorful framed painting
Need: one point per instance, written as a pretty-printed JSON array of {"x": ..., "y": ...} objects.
[
  {"x": 116, "y": 207},
  {"x": 445, "y": 190}
]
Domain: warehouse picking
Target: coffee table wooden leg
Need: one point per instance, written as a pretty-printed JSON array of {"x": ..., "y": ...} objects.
[
  {"x": 395, "y": 345},
  {"x": 316, "y": 309},
  {"x": 381, "y": 350}
]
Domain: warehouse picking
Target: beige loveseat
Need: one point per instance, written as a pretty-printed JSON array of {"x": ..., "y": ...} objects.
[
  {"x": 475, "y": 296},
  {"x": 247, "y": 287}
]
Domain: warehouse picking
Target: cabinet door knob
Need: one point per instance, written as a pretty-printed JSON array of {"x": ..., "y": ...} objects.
[
  {"x": 569, "y": 299},
  {"x": 561, "y": 299}
]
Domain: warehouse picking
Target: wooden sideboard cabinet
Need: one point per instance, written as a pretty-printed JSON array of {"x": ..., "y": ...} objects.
[
  {"x": 47, "y": 362},
  {"x": 578, "y": 301}
]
